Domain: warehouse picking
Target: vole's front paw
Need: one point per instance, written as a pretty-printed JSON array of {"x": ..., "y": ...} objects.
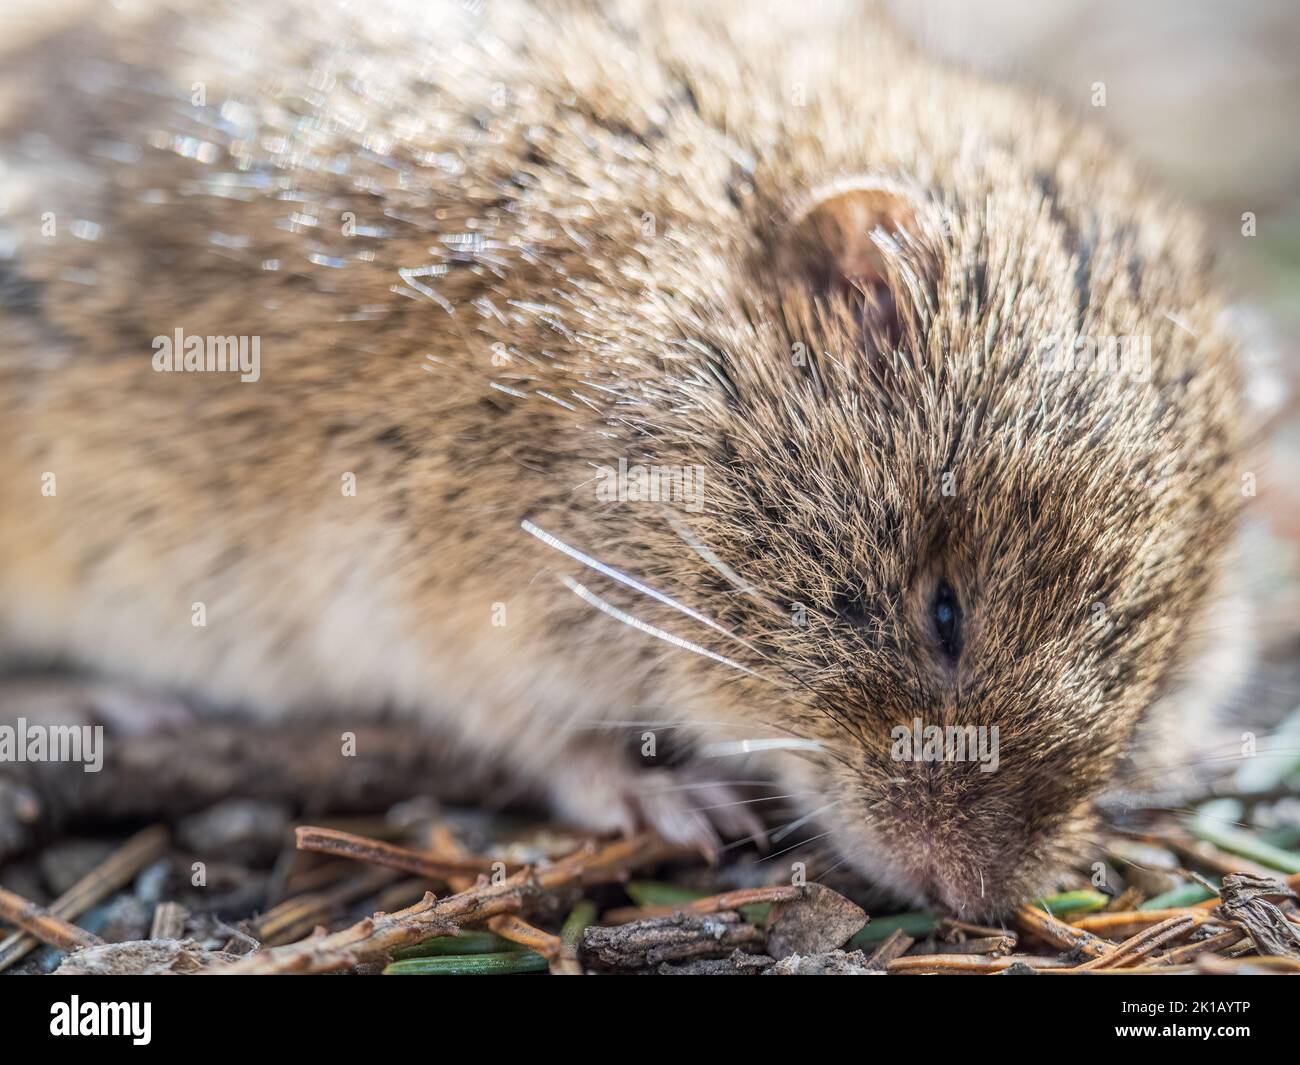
[
  {"x": 601, "y": 790},
  {"x": 687, "y": 807}
]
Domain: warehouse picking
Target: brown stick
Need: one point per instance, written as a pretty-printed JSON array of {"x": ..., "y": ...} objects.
[
  {"x": 363, "y": 849},
  {"x": 564, "y": 960},
  {"x": 1137, "y": 970},
  {"x": 376, "y": 937},
  {"x": 115, "y": 871},
  {"x": 1142, "y": 944},
  {"x": 1189, "y": 951},
  {"x": 998, "y": 946},
  {"x": 401, "y": 893},
  {"x": 1061, "y": 935},
  {"x": 1126, "y": 923},
  {"x": 42, "y": 924},
  {"x": 517, "y": 930},
  {"x": 896, "y": 944},
  {"x": 168, "y": 921},
  {"x": 966, "y": 963},
  {"x": 1215, "y": 964},
  {"x": 950, "y": 928},
  {"x": 295, "y": 917},
  {"x": 1129, "y": 900}
]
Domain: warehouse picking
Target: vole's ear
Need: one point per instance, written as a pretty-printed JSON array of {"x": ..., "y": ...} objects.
[{"x": 838, "y": 241}]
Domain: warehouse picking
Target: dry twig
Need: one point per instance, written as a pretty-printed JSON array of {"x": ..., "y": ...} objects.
[
  {"x": 376, "y": 937},
  {"x": 360, "y": 848},
  {"x": 45, "y": 926},
  {"x": 109, "y": 876},
  {"x": 1142, "y": 944},
  {"x": 896, "y": 944},
  {"x": 563, "y": 959},
  {"x": 1061, "y": 935}
]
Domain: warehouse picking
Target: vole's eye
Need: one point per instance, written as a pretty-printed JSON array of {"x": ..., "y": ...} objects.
[{"x": 946, "y": 612}]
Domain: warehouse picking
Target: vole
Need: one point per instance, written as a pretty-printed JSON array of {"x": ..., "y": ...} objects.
[{"x": 618, "y": 371}]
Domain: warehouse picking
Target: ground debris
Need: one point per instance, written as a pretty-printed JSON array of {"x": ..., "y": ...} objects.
[
  {"x": 143, "y": 957},
  {"x": 453, "y": 887},
  {"x": 679, "y": 937},
  {"x": 830, "y": 963},
  {"x": 1246, "y": 900},
  {"x": 820, "y": 920},
  {"x": 737, "y": 963}
]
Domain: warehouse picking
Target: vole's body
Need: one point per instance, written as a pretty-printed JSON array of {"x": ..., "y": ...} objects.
[{"x": 487, "y": 256}]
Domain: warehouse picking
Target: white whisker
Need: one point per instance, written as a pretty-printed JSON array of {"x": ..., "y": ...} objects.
[
  {"x": 630, "y": 582},
  {"x": 724, "y": 749},
  {"x": 745, "y": 802},
  {"x": 555, "y": 399},
  {"x": 720, "y": 567},
  {"x": 508, "y": 390},
  {"x": 793, "y": 846},
  {"x": 827, "y": 872},
  {"x": 697, "y": 724},
  {"x": 588, "y": 596},
  {"x": 794, "y": 826},
  {"x": 715, "y": 784}
]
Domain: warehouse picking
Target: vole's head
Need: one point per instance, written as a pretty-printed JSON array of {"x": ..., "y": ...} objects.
[{"x": 965, "y": 560}]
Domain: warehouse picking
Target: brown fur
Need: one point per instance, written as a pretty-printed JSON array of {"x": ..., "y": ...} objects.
[{"x": 609, "y": 202}]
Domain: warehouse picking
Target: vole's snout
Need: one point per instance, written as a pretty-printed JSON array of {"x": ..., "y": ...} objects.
[
  {"x": 955, "y": 877},
  {"x": 956, "y": 841},
  {"x": 964, "y": 888}
]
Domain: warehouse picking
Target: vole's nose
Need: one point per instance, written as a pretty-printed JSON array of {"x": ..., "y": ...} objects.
[
  {"x": 959, "y": 840},
  {"x": 961, "y": 891}
]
